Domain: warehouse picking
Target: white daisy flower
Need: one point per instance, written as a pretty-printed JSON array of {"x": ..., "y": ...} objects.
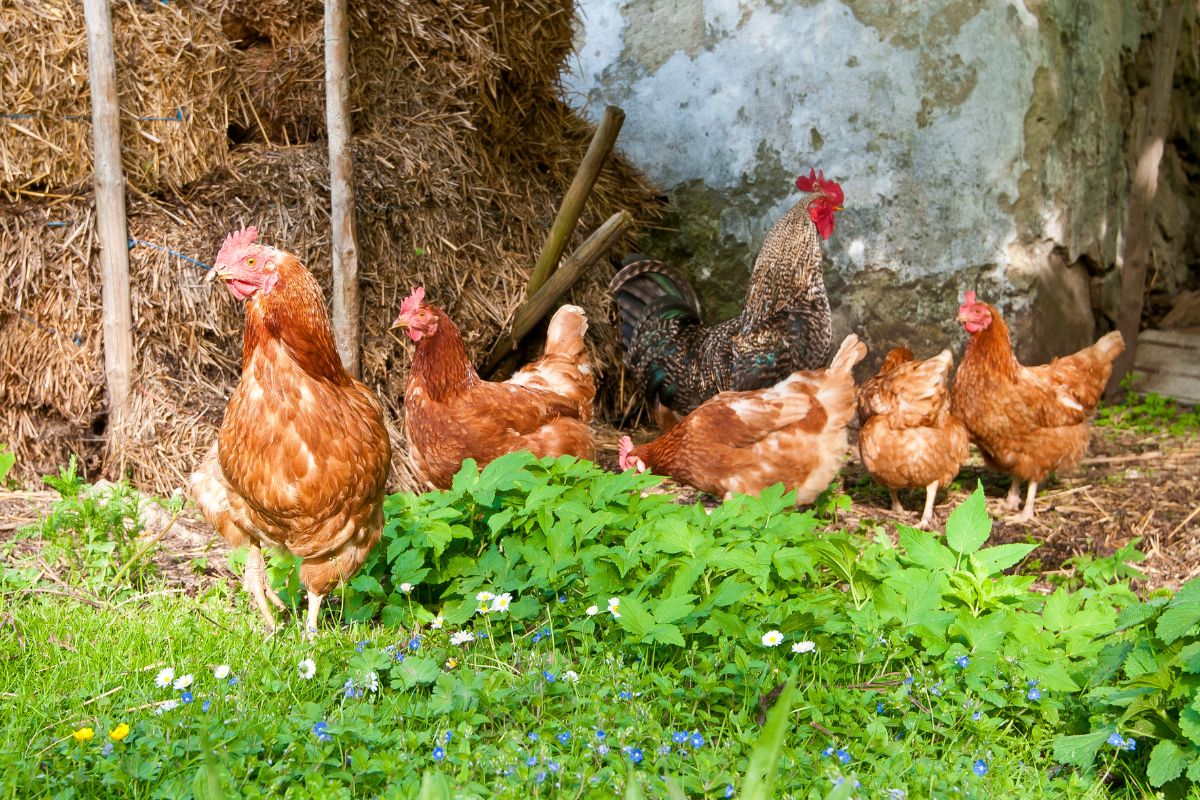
[
  {"x": 592, "y": 611},
  {"x": 371, "y": 681},
  {"x": 307, "y": 669},
  {"x": 164, "y": 677},
  {"x": 437, "y": 623},
  {"x": 804, "y": 647},
  {"x": 165, "y": 706},
  {"x": 221, "y": 672},
  {"x": 182, "y": 682},
  {"x": 502, "y": 602},
  {"x": 485, "y": 597},
  {"x": 772, "y": 639},
  {"x": 614, "y": 606},
  {"x": 406, "y": 587},
  {"x": 571, "y": 676},
  {"x": 461, "y": 637}
]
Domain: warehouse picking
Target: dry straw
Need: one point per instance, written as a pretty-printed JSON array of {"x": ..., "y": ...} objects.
[
  {"x": 457, "y": 185},
  {"x": 173, "y": 80}
]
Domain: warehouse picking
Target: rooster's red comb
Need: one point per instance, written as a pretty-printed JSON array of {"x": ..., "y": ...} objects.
[
  {"x": 245, "y": 236},
  {"x": 413, "y": 301},
  {"x": 815, "y": 182}
]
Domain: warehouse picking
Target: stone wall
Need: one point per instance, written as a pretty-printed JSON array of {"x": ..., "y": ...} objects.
[{"x": 980, "y": 143}]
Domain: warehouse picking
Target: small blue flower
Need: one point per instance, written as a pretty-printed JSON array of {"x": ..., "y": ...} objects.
[
  {"x": 980, "y": 767},
  {"x": 106, "y": 751},
  {"x": 360, "y": 646},
  {"x": 549, "y": 676},
  {"x": 679, "y": 737},
  {"x": 537, "y": 636},
  {"x": 978, "y": 715},
  {"x": 1116, "y": 740},
  {"x": 879, "y": 707},
  {"x": 552, "y": 766},
  {"x": 321, "y": 729},
  {"x": 827, "y": 752},
  {"x": 414, "y": 643},
  {"x": 541, "y": 776},
  {"x": 600, "y": 734},
  {"x": 233, "y": 680},
  {"x": 205, "y": 706},
  {"x": 531, "y": 761},
  {"x": 908, "y": 680},
  {"x": 602, "y": 749},
  {"x": 697, "y": 741},
  {"x": 962, "y": 662},
  {"x": 564, "y": 737},
  {"x": 664, "y": 750},
  {"x": 936, "y": 689},
  {"x": 635, "y": 755},
  {"x": 625, "y": 694},
  {"x": 400, "y": 657},
  {"x": 186, "y": 697},
  {"x": 1034, "y": 694},
  {"x": 350, "y": 690},
  {"x": 1131, "y": 743},
  {"x": 1032, "y": 682},
  {"x": 562, "y": 598},
  {"x": 842, "y": 756},
  {"x": 449, "y": 735},
  {"x": 728, "y": 790},
  {"x": 533, "y": 737},
  {"x": 481, "y": 635},
  {"x": 439, "y": 753}
]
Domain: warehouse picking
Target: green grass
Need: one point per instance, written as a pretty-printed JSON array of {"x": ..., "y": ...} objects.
[{"x": 933, "y": 670}]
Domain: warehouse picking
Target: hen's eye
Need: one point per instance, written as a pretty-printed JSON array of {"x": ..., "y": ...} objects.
[{"x": 250, "y": 261}]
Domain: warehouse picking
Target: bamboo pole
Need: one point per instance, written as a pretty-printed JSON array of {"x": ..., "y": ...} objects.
[
  {"x": 573, "y": 267},
  {"x": 111, "y": 227},
  {"x": 576, "y": 196},
  {"x": 1140, "y": 212},
  {"x": 341, "y": 186}
]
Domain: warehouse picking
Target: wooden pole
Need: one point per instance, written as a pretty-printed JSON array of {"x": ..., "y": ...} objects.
[
  {"x": 1140, "y": 212},
  {"x": 573, "y": 267},
  {"x": 111, "y": 230},
  {"x": 576, "y": 196},
  {"x": 341, "y": 185}
]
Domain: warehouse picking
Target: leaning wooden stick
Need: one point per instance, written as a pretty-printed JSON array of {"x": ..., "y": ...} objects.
[
  {"x": 575, "y": 198},
  {"x": 573, "y": 267}
]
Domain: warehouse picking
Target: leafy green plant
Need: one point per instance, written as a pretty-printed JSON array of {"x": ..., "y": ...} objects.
[
  {"x": 1149, "y": 413},
  {"x": 1145, "y": 688},
  {"x": 7, "y": 460}
]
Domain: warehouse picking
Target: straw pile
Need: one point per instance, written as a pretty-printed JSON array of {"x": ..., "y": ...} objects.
[
  {"x": 462, "y": 153},
  {"x": 173, "y": 82}
]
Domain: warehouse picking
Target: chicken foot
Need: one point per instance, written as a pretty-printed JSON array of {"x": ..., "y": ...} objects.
[
  {"x": 314, "y": 608},
  {"x": 1027, "y": 514},
  {"x": 1013, "y": 501},
  {"x": 897, "y": 508},
  {"x": 930, "y": 497},
  {"x": 254, "y": 581}
]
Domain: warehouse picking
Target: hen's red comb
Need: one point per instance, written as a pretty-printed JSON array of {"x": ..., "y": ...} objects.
[
  {"x": 413, "y": 301},
  {"x": 969, "y": 298},
  {"x": 815, "y": 182},
  {"x": 241, "y": 238}
]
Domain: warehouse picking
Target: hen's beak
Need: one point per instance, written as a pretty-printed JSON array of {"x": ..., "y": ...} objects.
[
  {"x": 401, "y": 322},
  {"x": 215, "y": 272},
  {"x": 961, "y": 317}
]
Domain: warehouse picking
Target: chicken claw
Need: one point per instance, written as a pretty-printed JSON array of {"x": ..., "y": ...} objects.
[
  {"x": 255, "y": 583},
  {"x": 930, "y": 497},
  {"x": 1013, "y": 501},
  {"x": 897, "y": 508},
  {"x": 1027, "y": 514}
]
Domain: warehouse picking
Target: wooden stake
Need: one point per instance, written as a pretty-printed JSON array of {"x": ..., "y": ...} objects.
[
  {"x": 573, "y": 267},
  {"x": 111, "y": 229},
  {"x": 341, "y": 185},
  {"x": 576, "y": 196},
  {"x": 1140, "y": 212}
]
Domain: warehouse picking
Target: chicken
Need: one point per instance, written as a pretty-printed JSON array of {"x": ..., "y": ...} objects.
[
  {"x": 1026, "y": 421},
  {"x": 909, "y": 439},
  {"x": 451, "y": 414},
  {"x": 793, "y": 433},
  {"x": 302, "y": 455},
  {"x": 784, "y": 326}
]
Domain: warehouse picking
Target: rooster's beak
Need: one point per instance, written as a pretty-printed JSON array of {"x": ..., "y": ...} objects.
[{"x": 837, "y": 208}]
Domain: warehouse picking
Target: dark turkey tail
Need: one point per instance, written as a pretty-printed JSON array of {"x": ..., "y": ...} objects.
[{"x": 644, "y": 287}]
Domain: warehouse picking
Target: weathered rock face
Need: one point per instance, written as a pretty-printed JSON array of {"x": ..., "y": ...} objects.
[{"x": 980, "y": 143}]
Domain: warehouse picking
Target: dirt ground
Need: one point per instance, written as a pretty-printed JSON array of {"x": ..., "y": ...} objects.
[{"x": 1130, "y": 485}]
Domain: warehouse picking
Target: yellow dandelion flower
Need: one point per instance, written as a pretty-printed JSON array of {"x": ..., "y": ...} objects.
[
  {"x": 120, "y": 732},
  {"x": 83, "y": 734}
]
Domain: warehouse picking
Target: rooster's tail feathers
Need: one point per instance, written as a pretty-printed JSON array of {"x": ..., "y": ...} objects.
[
  {"x": 644, "y": 287},
  {"x": 564, "y": 334}
]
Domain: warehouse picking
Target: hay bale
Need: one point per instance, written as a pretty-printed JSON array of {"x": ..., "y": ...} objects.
[{"x": 173, "y": 80}]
